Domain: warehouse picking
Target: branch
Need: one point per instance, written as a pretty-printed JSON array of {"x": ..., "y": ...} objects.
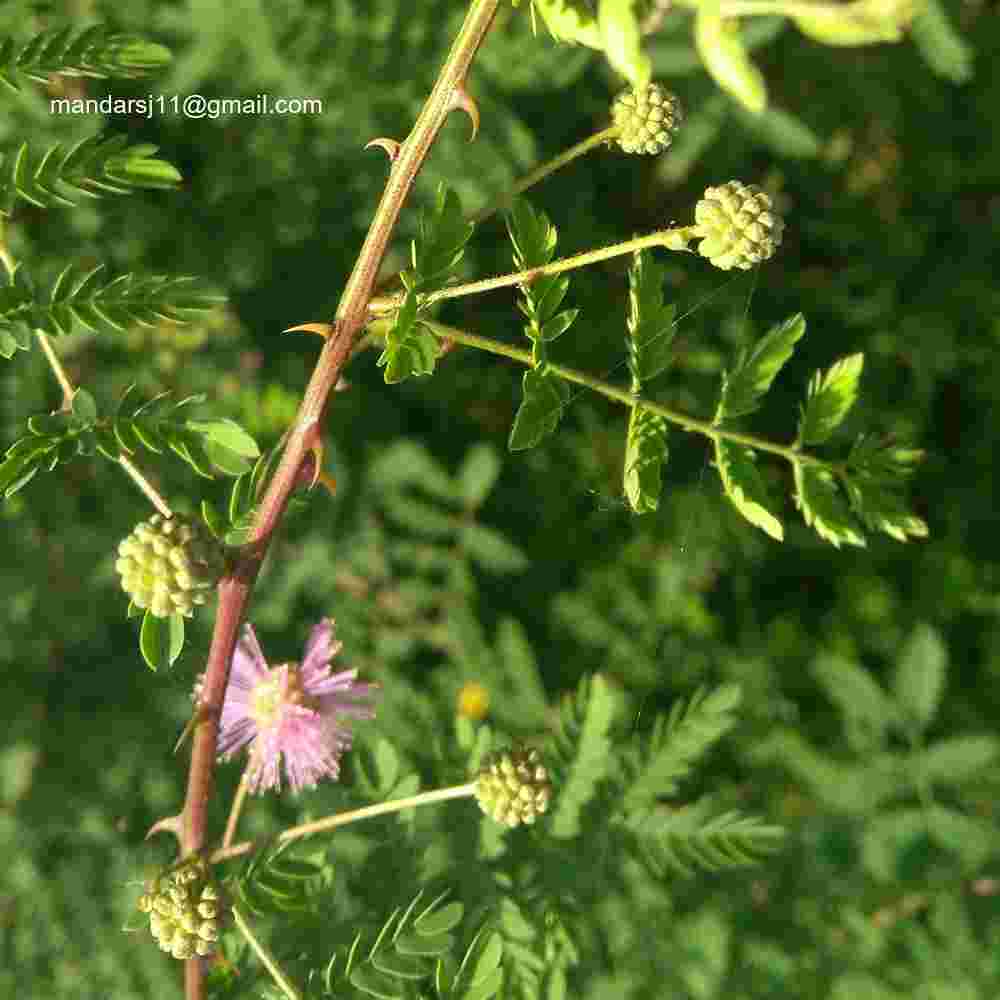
[
  {"x": 235, "y": 588},
  {"x": 619, "y": 395}
]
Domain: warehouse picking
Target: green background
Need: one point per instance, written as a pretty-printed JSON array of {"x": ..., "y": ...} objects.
[{"x": 887, "y": 174}]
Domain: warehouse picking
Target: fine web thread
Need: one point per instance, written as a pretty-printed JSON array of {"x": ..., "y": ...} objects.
[{"x": 619, "y": 500}]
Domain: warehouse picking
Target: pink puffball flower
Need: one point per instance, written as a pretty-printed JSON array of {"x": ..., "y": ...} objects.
[{"x": 294, "y": 712}]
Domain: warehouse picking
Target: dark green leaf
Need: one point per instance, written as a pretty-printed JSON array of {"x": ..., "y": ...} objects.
[
  {"x": 545, "y": 395},
  {"x": 212, "y": 516},
  {"x": 880, "y": 508},
  {"x": 558, "y": 325},
  {"x": 745, "y": 488},
  {"x": 918, "y": 682},
  {"x": 645, "y": 454},
  {"x": 376, "y": 983},
  {"x": 478, "y": 475},
  {"x": 84, "y": 406},
  {"x": 50, "y": 424},
  {"x": 650, "y": 322},
  {"x": 533, "y": 236}
]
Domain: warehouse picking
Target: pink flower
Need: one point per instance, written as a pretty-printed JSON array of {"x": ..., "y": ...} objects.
[{"x": 296, "y": 712}]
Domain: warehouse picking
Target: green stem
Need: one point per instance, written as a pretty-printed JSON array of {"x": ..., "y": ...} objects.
[
  {"x": 266, "y": 958},
  {"x": 305, "y": 433},
  {"x": 692, "y": 424},
  {"x": 543, "y": 171},
  {"x": 671, "y": 239},
  {"x": 342, "y": 819}
]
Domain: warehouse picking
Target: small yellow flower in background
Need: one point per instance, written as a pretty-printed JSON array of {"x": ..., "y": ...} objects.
[{"x": 473, "y": 701}]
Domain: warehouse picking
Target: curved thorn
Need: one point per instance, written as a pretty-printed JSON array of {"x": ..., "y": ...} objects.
[
  {"x": 389, "y": 146},
  {"x": 169, "y": 824},
  {"x": 316, "y": 454},
  {"x": 323, "y": 329},
  {"x": 461, "y": 99}
]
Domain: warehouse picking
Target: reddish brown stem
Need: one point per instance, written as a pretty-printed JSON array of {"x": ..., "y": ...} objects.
[{"x": 235, "y": 589}]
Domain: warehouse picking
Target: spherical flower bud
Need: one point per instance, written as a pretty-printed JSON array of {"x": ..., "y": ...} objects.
[
  {"x": 738, "y": 226},
  {"x": 647, "y": 118},
  {"x": 513, "y": 787},
  {"x": 169, "y": 565}
]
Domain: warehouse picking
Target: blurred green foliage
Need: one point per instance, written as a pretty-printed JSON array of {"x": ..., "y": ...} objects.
[{"x": 446, "y": 560}]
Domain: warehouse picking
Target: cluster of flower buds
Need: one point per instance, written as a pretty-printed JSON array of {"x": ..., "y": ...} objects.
[
  {"x": 647, "y": 118},
  {"x": 736, "y": 222},
  {"x": 183, "y": 910},
  {"x": 513, "y": 787},
  {"x": 169, "y": 564}
]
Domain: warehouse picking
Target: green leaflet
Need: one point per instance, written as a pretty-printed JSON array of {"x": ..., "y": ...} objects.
[
  {"x": 614, "y": 30},
  {"x": 161, "y": 640},
  {"x": 755, "y": 370},
  {"x": 823, "y": 507},
  {"x": 92, "y": 52},
  {"x": 478, "y": 475},
  {"x": 410, "y": 348},
  {"x": 919, "y": 678},
  {"x": 876, "y": 468},
  {"x": 545, "y": 395},
  {"x": 830, "y": 396},
  {"x": 645, "y": 454},
  {"x": 82, "y": 301},
  {"x": 745, "y": 487},
  {"x": 621, "y": 34},
  {"x": 440, "y": 245},
  {"x": 679, "y": 740},
  {"x": 942, "y": 46},
  {"x": 569, "y": 21},
  {"x": 650, "y": 333},
  {"x": 859, "y": 23},
  {"x": 208, "y": 446},
  {"x": 583, "y": 743},
  {"x": 881, "y": 509},
  {"x": 89, "y": 169},
  {"x": 725, "y": 57},
  {"x": 650, "y": 322}
]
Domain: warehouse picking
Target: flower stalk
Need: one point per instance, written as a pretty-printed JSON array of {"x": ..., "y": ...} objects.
[{"x": 328, "y": 823}]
